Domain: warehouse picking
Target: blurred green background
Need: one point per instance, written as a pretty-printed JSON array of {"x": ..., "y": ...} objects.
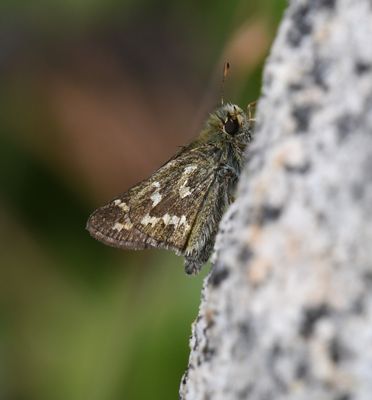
[{"x": 95, "y": 95}]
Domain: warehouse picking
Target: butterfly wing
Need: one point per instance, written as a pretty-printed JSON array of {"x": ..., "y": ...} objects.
[{"x": 160, "y": 211}]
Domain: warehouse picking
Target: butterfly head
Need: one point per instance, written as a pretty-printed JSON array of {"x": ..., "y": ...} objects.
[
  {"x": 232, "y": 120},
  {"x": 228, "y": 123}
]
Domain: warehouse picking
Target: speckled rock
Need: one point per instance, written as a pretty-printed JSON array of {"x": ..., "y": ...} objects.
[{"x": 286, "y": 312}]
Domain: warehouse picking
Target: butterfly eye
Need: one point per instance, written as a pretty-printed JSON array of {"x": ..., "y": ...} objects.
[{"x": 231, "y": 126}]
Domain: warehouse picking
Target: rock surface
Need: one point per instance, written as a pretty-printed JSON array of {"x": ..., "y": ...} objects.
[{"x": 286, "y": 312}]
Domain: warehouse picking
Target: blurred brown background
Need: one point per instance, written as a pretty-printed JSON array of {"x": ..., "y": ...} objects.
[{"x": 95, "y": 95}]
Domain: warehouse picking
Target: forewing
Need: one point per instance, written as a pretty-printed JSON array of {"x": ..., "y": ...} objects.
[{"x": 160, "y": 211}]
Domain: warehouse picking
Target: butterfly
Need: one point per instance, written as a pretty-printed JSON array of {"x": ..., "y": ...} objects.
[{"x": 179, "y": 206}]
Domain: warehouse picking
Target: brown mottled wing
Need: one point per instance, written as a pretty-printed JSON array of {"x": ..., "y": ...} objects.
[{"x": 160, "y": 211}]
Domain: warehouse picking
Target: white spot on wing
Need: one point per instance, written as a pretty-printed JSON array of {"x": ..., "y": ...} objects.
[
  {"x": 184, "y": 190},
  {"x": 124, "y": 207},
  {"x": 127, "y": 225},
  {"x": 148, "y": 220},
  {"x": 170, "y": 219},
  {"x": 121, "y": 205},
  {"x": 118, "y": 226},
  {"x": 174, "y": 220},
  {"x": 156, "y": 198},
  {"x": 190, "y": 169},
  {"x": 166, "y": 218},
  {"x": 183, "y": 221}
]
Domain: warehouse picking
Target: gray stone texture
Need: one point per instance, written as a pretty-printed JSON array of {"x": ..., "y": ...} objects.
[{"x": 286, "y": 312}]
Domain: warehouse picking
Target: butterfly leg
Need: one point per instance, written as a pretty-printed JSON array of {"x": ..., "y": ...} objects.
[
  {"x": 228, "y": 177},
  {"x": 227, "y": 171}
]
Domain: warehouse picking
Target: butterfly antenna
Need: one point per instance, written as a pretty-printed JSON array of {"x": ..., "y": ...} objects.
[{"x": 226, "y": 67}]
